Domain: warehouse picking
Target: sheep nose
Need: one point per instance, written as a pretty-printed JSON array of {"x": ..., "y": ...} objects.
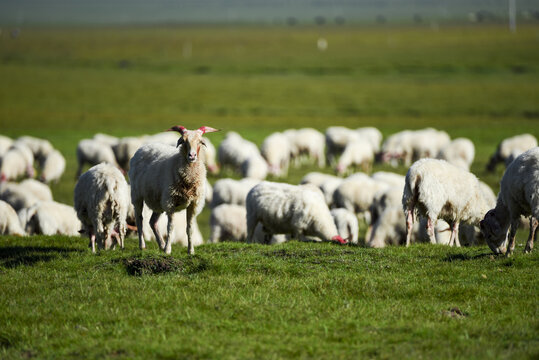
[{"x": 192, "y": 157}]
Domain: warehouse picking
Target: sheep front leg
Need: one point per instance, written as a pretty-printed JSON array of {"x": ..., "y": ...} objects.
[
  {"x": 92, "y": 239},
  {"x": 190, "y": 223},
  {"x": 512, "y": 234},
  {"x": 138, "y": 222},
  {"x": 533, "y": 227},
  {"x": 454, "y": 238},
  {"x": 168, "y": 246},
  {"x": 409, "y": 225},
  {"x": 153, "y": 224},
  {"x": 430, "y": 230}
]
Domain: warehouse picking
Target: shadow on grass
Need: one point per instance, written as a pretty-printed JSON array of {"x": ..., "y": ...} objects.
[
  {"x": 465, "y": 257},
  {"x": 15, "y": 256},
  {"x": 155, "y": 265}
]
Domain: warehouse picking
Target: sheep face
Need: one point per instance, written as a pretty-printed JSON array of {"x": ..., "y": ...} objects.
[
  {"x": 191, "y": 141},
  {"x": 493, "y": 232}
]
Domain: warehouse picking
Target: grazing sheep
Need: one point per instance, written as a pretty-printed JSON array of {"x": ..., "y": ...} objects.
[
  {"x": 39, "y": 190},
  {"x": 227, "y": 222},
  {"x": 124, "y": 150},
  {"x": 336, "y": 139},
  {"x": 102, "y": 200},
  {"x": 519, "y": 195},
  {"x": 438, "y": 189},
  {"x": 50, "y": 218},
  {"x": 347, "y": 225},
  {"x": 106, "y": 139},
  {"x": 459, "y": 152},
  {"x": 255, "y": 167},
  {"x": 289, "y": 209},
  {"x": 398, "y": 147},
  {"x": 40, "y": 148},
  {"x": 359, "y": 153},
  {"x": 234, "y": 150},
  {"x": 94, "y": 152},
  {"x": 230, "y": 191},
  {"x": 276, "y": 150},
  {"x": 356, "y": 194},
  {"x": 9, "y": 221},
  {"x": 17, "y": 162},
  {"x": 371, "y": 135},
  {"x": 17, "y": 196},
  {"x": 168, "y": 180},
  {"x": 389, "y": 178},
  {"x": 510, "y": 148},
  {"x": 328, "y": 188},
  {"x": 316, "y": 178},
  {"x": 306, "y": 145},
  {"x": 53, "y": 167}
]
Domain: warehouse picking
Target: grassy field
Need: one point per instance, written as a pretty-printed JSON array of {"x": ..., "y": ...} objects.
[{"x": 293, "y": 300}]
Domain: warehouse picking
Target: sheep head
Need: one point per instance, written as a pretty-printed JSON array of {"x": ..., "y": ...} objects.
[
  {"x": 494, "y": 233},
  {"x": 339, "y": 240},
  {"x": 191, "y": 140}
]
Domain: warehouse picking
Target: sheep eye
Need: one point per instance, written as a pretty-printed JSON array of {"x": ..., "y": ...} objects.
[{"x": 203, "y": 143}]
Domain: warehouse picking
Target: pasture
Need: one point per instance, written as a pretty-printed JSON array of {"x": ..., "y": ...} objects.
[{"x": 300, "y": 300}]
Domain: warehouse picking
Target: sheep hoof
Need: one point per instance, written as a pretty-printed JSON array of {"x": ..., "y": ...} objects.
[{"x": 527, "y": 250}]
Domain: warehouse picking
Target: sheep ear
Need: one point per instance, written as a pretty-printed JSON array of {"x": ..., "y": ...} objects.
[
  {"x": 207, "y": 129},
  {"x": 178, "y": 128},
  {"x": 180, "y": 141}
]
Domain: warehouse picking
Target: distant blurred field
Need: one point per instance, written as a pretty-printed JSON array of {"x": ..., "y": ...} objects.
[{"x": 480, "y": 82}]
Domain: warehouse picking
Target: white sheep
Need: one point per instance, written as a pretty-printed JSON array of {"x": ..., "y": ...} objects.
[
  {"x": 328, "y": 188},
  {"x": 347, "y": 224},
  {"x": 276, "y": 149},
  {"x": 39, "y": 190},
  {"x": 53, "y": 167},
  {"x": 336, "y": 139},
  {"x": 125, "y": 148},
  {"x": 519, "y": 195},
  {"x": 459, "y": 152},
  {"x": 17, "y": 196},
  {"x": 208, "y": 193},
  {"x": 288, "y": 209},
  {"x": 254, "y": 167},
  {"x": 168, "y": 180},
  {"x": 230, "y": 191},
  {"x": 101, "y": 200},
  {"x": 227, "y": 222},
  {"x": 438, "y": 189},
  {"x": 372, "y": 135},
  {"x": 17, "y": 162},
  {"x": 389, "y": 178},
  {"x": 398, "y": 147},
  {"x": 40, "y": 148},
  {"x": 94, "y": 152},
  {"x": 358, "y": 153},
  {"x": 234, "y": 150},
  {"x": 168, "y": 138},
  {"x": 316, "y": 178},
  {"x": 510, "y": 148},
  {"x": 9, "y": 221},
  {"x": 209, "y": 157},
  {"x": 106, "y": 139},
  {"x": 50, "y": 218},
  {"x": 306, "y": 145}
]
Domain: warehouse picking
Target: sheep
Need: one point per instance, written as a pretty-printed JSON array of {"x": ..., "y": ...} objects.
[
  {"x": 316, "y": 178},
  {"x": 50, "y": 218},
  {"x": 459, "y": 152},
  {"x": 227, "y": 222},
  {"x": 106, "y": 139},
  {"x": 397, "y": 147},
  {"x": 510, "y": 148},
  {"x": 428, "y": 142},
  {"x": 230, "y": 191},
  {"x": 234, "y": 150},
  {"x": 17, "y": 195},
  {"x": 371, "y": 135},
  {"x": 40, "y": 148},
  {"x": 9, "y": 221},
  {"x": 39, "y": 190},
  {"x": 17, "y": 162},
  {"x": 412, "y": 145},
  {"x": 289, "y": 209},
  {"x": 306, "y": 143},
  {"x": 358, "y": 153},
  {"x": 168, "y": 138},
  {"x": 254, "y": 167},
  {"x": 53, "y": 167},
  {"x": 124, "y": 150},
  {"x": 101, "y": 200},
  {"x": 209, "y": 157},
  {"x": 336, "y": 139},
  {"x": 519, "y": 195},
  {"x": 438, "y": 189},
  {"x": 94, "y": 152},
  {"x": 389, "y": 178},
  {"x": 328, "y": 188},
  {"x": 276, "y": 149},
  {"x": 168, "y": 179},
  {"x": 347, "y": 224},
  {"x": 208, "y": 193},
  {"x": 356, "y": 194},
  {"x": 5, "y": 144}
]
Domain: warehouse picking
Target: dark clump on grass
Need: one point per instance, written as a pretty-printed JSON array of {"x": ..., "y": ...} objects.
[
  {"x": 155, "y": 265},
  {"x": 465, "y": 257},
  {"x": 455, "y": 312}
]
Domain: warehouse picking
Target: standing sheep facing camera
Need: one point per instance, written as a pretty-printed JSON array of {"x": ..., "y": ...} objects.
[
  {"x": 102, "y": 201},
  {"x": 438, "y": 189},
  {"x": 519, "y": 195},
  {"x": 288, "y": 209},
  {"x": 169, "y": 179}
]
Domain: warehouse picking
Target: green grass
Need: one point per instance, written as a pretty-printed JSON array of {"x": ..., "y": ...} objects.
[{"x": 294, "y": 300}]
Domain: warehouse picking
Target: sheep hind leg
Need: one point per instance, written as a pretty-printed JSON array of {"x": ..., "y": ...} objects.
[
  {"x": 138, "y": 223},
  {"x": 533, "y": 227},
  {"x": 430, "y": 231},
  {"x": 153, "y": 225},
  {"x": 409, "y": 225},
  {"x": 190, "y": 217}
]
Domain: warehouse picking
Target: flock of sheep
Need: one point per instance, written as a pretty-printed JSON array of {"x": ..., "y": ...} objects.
[{"x": 167, "y": 174}]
